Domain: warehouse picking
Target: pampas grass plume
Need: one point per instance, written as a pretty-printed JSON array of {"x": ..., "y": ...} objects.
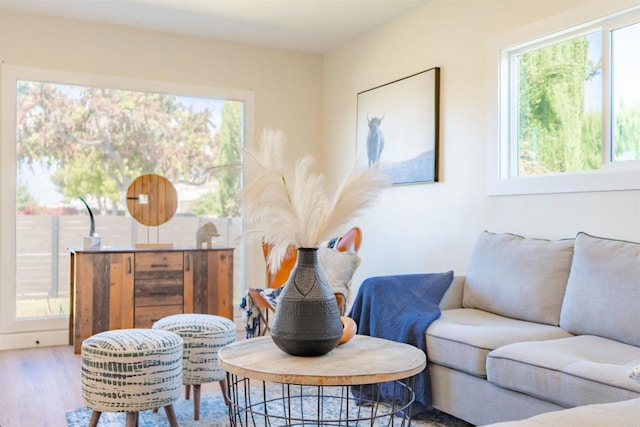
[{"x": 289, "y": 205}]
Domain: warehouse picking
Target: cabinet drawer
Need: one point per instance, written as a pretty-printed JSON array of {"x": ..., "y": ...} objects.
[
  {"x": 159, "y": 279},
  {"x": 149, "y": 262},
  {"x": 146, "y": 316},
  {"x": 158, "y": 292}
]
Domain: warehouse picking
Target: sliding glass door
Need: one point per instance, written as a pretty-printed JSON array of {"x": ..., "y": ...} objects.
[{"x": 69, "y": 138}]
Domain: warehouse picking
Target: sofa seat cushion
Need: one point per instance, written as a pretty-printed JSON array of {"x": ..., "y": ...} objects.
[
  {"x": 569, "y": 372},
  {"x": 461, "y": 338},
  {"x": 617, "y": 414}
]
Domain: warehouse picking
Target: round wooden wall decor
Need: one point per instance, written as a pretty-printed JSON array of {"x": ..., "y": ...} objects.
[{"x": 152, "y": 199}]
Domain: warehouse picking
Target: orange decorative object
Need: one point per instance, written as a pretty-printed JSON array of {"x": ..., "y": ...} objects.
[
  {"x": 350, "y": 241},
  {"x": 349, "y": 329},
  {"x": 280, "y": 277}
]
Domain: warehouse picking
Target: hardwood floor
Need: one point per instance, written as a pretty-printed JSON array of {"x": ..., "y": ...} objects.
[{"x": 38, "y": 386}]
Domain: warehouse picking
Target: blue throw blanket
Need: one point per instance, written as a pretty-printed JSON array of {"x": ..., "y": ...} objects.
[{"x": 401, "y": 308}]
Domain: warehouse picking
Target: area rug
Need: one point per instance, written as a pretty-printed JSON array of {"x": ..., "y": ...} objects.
[{"x": 214, "y": 413}]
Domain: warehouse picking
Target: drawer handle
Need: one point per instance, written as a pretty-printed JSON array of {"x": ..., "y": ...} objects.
[
  {"x": 159, "y": 292},
  {"x": 129, "y": 264},
  {"x": 159, "y": 265}
]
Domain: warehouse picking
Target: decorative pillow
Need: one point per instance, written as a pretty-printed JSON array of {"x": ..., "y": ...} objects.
[
  {"x": 603, "y": 291},
  {"x": 338, "y": 268},
  {"x": 517, "y": 277}
]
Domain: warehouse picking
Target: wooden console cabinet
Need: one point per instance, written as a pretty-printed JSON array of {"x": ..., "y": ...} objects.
[{"x": 132, "y": 288}]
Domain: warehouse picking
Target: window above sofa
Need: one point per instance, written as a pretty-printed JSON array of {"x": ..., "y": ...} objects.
[{"x": 565, "y": 106}]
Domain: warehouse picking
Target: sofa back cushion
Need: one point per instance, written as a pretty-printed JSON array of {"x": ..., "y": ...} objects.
[
  {"x": 517, "y": 277},
  {"x": 603, "y": 291}
]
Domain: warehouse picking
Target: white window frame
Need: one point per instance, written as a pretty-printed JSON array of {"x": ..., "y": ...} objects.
[
  {"x": 54, "y": 331},
  {"x": 612, "y": 176}
]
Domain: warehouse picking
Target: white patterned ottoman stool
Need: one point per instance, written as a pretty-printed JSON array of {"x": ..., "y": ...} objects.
[
  {"x": 203, "y": 335},
  {"x": 131, "y": 370}
]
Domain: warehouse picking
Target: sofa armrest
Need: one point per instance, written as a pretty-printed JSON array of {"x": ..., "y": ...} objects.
[{"x": 453, "y": 297}]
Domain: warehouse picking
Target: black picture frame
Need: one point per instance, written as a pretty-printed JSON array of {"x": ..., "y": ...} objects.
[{"x": 404, "y": 115}]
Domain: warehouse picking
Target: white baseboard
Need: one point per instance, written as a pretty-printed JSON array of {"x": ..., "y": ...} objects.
[{"x": 34, "y": 339}]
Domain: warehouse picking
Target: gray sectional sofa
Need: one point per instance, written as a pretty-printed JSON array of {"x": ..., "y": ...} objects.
[{"x": 537, "y": 326}]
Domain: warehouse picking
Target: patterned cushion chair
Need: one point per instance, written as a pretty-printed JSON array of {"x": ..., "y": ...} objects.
[
  {"x": 131, "y": 370},
  {"x": 203, "y": 336}
]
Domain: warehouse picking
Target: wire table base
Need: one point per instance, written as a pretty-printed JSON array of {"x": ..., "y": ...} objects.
[{"x": 265, "y": 404}]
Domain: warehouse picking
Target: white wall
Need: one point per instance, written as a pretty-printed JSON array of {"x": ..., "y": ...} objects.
[{"x": 432, "y": 227}]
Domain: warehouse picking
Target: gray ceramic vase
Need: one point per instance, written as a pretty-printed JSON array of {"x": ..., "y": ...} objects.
[{"x": 307, "y": 321}]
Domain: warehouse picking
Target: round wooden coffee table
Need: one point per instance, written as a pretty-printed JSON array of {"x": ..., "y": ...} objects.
[{"x": 269, "y": 387}]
